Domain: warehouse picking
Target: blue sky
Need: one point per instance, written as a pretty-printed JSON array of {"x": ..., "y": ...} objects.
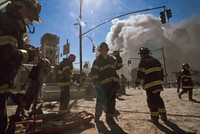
[{"x": 59, "y": 16}]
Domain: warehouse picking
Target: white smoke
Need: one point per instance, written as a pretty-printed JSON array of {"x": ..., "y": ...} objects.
[{"x": 180, "y": 43}]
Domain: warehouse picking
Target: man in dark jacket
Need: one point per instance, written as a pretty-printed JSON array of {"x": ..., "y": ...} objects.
[
  {"x": 13, "y": 21},
  {"x": 151, "y": 72},
  {"x": 106, "y": 80},
  {"x": 64, "y": 79}
]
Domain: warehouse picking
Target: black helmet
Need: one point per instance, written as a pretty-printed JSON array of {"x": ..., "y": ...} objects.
[
  {"x": 144, "y": 50},
  {"x": 33, "y": 8},
  {"x": 185, "y": 65},
  {"x": 103, "y": 44},
  {"x": 72, "y": 57}
]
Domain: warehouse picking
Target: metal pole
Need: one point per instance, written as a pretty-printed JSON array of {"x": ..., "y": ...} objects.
[
  {"x": 89, "y": 39},
  {"x": 80, "y": 36},
  {"x": 122, "y": 16},
  {"x": 165, "y": 69}
]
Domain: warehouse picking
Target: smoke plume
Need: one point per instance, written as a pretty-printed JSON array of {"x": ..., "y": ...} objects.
[{"x": 171, "y": 45}]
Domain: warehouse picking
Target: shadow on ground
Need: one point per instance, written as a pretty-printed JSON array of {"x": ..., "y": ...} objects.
[
  {"x": 114, "y": 128},
  {"x": 175, "y": 129}
]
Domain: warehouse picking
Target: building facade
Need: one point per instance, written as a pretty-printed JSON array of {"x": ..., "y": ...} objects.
[{"x": 50, "y": 49}]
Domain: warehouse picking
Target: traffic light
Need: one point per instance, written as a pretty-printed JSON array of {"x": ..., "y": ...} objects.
[
  {"x": 93, "y": 49},
  {"x": 85, "y": 65},
  {"x": 169, "y": 13},
  {"x": 162, "y": 17}
]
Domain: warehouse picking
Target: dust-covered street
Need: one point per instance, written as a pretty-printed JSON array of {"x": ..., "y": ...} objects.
[{"x": 183, "y": 115}]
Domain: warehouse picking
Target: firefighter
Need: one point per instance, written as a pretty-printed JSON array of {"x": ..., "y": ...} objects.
[
  {"x": 13, "y": 21},
  {"x": 185, "y": 82},
  {"x": 65, "y": 77},
  {"x": 151, "y": 73},
  {"x": 106, "y": 81}
]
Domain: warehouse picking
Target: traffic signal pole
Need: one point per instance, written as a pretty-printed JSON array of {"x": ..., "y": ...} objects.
[
  {"x": 148, "y": 9},
  {"x": 82, "y": 34}
]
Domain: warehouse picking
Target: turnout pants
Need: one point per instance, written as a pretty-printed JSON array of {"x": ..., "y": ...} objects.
[
  {"x": 100, "y": 100},
  {"x": 155, "y": 104},
  {"x": 189, "y": 90},
  {"x": 3, "y": 112},
  {"x": 64, "y": 97},
  {"x": 106, "y": 95},
  {"x": 110, "y": 93}
]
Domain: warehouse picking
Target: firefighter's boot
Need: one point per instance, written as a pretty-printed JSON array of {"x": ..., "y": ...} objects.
[
  {"x": 154, "y": 120},
  {"x": 163, "y": 117}
]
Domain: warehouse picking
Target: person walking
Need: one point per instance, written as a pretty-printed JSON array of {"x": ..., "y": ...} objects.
[
  {"x": 151, "y": 73},
  {"x": 185, "y": 82},
  {"x": 64, "y": 79},
  {"x": 13, "y": 21},
  {"x": 106, "y": 80}
]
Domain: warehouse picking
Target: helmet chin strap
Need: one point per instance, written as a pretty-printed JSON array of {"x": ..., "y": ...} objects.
[{"x": 32, "y": 31}]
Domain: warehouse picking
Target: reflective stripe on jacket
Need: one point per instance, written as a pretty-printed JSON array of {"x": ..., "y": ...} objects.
[
  {"x": 65, "y": 74},
  {"x": 12, "y": 30},
  {"x": 151, "y": 72},
  {"x": 104, "y": 70},
  {"x": 185, "y": 79}
]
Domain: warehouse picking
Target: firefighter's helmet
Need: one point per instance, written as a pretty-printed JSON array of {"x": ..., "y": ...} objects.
[
  {"x": 185, "y": 65},
  {"x": 103, "y": 45},
  {"x": 30, "y": 9},
  {"x": 144, "y": 50},
  {"x": 72, "y": 57}
]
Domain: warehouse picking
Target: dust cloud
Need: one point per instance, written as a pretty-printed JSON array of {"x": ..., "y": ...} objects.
[{"x": 172, "y": 45}]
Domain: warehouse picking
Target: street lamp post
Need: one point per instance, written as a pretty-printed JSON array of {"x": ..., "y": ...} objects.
[{"x": 90, "y": 40}]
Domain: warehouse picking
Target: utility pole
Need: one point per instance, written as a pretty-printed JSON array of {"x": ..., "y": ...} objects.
[
  {"x": 164, "y": 63},
  {"x": 165, "y": 68},
  {"x": 80, "y": 35}
]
